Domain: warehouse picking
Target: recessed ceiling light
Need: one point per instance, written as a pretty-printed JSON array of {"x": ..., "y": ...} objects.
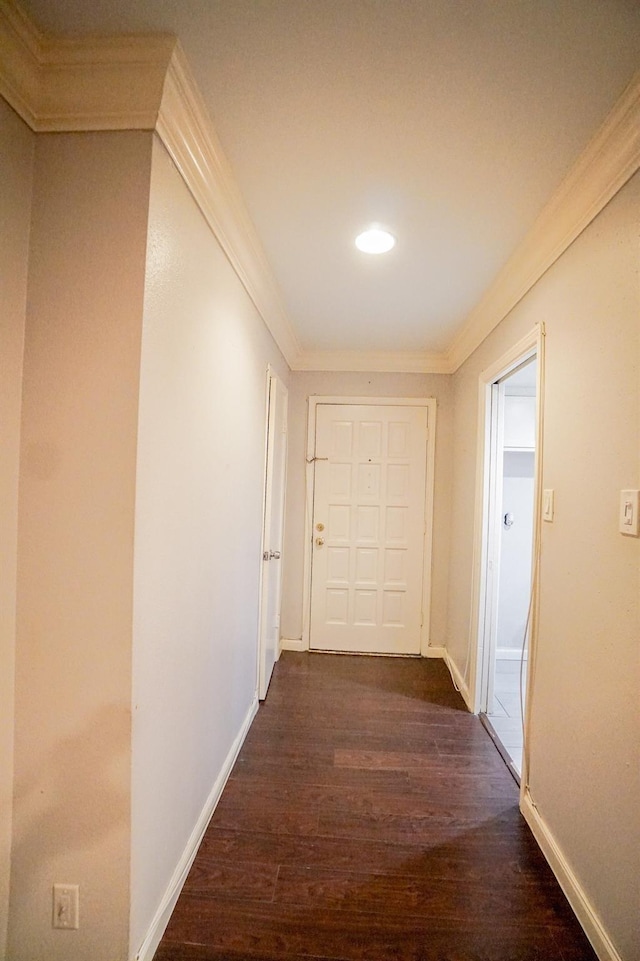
[{"x": 375, "y": 240}]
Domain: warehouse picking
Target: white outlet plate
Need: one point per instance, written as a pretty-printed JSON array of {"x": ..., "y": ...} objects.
[
  {"x": 629, "y": 519},
  {"x": 66, "y": 907}
]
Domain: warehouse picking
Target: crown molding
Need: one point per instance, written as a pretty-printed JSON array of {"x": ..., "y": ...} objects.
[
  {"x": 20, "y": 73},
  {"x": 376, "y": 361},
  {"x": 144, "y": 83},
  {"x": 67, "y": 84},
  {"x": 188, "y": 134},
  {"x": 609, "y": 161},
  {"x": 140, "y": 83},
  {"x": 112, "y": 83}
]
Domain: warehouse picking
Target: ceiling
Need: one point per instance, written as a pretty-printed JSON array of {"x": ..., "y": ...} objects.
[{"x": 450, "y": 122}]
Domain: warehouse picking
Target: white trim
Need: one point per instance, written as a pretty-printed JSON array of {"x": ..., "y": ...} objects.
[
  {"x": 375, "y": 361},
  {"x": 427, "y": 548},
  {"x": 493, "y": 548},
  {"x": 112, "y": 83},
  {"x": 293, "y": 644},
  {"x": 275, "y": 490},
  {"x": 315, "y": 399},
  {"x": 431, "y": 404},
  {"x": 433, "y": 651},
  {"x": 528, "y": 345},
  {"x": 261, "y": 592},
  {"x": 609, "y": 161},
  {"x": 20, "y": 72},
  {"x": 188, "y": 134},
  {"x": 458, "y": 680},
  {"x": 63, "y": 83},
  {"x": 309, "y": 481},
  {"x": 575, "y": 893},
  {"x": 179, "y": 876}
]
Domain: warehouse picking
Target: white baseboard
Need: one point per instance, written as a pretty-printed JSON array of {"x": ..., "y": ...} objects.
[
  {"x": 434, "y": 652},
  {"x": 577, "y": 898},
  {"x": 168, "y": 902},
  {"x": 458, "y": 680},
  {"x": 292, "y": 644}
]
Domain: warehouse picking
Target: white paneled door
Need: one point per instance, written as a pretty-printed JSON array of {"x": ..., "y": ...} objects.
[{"x": 368, "y": 528}]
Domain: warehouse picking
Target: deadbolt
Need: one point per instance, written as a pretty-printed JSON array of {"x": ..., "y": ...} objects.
[{"x": 319, "y": 527}]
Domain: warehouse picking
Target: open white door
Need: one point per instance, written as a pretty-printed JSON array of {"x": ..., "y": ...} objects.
[{"x": 275, "y": 483}]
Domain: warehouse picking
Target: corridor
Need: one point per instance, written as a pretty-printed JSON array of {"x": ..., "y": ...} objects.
[{"x": 369, "y": 817}]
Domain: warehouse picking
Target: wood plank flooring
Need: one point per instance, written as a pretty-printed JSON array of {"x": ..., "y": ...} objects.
[{"x": 368, "y": 818}]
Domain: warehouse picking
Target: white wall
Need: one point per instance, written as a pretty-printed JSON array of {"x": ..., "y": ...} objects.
[
  {"x": 200, "y": 484},
  {"x": 304, "y": 384},
  {"x": 585, "y": 721},
  {"x": 75, "y": 543},
  {"x": 17, "y": 145}
]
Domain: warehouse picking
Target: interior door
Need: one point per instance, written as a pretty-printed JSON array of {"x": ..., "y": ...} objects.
[
  {"x": 368, "y": 528},
  {"x": 275, "y": 484}
]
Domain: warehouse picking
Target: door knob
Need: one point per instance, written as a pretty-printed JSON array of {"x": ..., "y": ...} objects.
[
  {"x": 319, "y": 541},
  {"x": 275, "y": 555}
]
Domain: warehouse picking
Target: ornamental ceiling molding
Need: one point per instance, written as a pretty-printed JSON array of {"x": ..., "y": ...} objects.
[
  {"x": 610, "y": 159},
  {"x": 144, "y": 83},
  {"x": 375, "y": 361},
  {"x": 61, "y": 84}
]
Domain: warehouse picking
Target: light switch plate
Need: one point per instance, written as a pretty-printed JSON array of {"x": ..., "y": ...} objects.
[
  {"x": 547, "y": 505},
  {"x": 66, "y": 907},
  {"x": 629, "y": 519}
]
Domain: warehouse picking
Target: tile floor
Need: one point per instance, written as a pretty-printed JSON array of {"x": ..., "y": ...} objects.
[{"x": 505, "y": 716}]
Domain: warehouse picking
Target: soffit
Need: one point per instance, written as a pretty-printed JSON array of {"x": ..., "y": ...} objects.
[{"x": 454, "y": 123}]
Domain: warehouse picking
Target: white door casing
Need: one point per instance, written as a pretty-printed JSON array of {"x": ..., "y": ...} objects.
[
  {"x": 273, "y": 529},
  {"x": 473, "y": 686},
  {"x": 370, "y": 469}
]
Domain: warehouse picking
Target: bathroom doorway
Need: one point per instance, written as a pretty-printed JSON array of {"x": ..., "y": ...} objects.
[{"x": 511, "y": 456}]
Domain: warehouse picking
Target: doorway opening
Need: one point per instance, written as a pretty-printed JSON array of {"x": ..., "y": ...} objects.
[
  {"x": 511, "y": 523},
  {"x": 505, "y": 554}
]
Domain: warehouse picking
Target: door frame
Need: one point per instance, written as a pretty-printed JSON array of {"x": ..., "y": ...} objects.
[
  {"x": 431, "y": 405},
  {"x": 270, "y": 431},
  {"x": 492, "y": 556},
  {"x": 483, "y": 591}
]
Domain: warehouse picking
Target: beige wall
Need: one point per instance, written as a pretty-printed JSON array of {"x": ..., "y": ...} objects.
[
  {"x": 303, "y": 384},
  {"x": 17, "y": 145},
  {"x": 585, "y": 722},
  {"x": 75, "y": 546},
  {"x": 98, "y": 801},
  {"x": 200, "y": 487}
]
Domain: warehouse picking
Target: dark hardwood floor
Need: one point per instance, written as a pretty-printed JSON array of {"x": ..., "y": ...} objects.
[{"x": 369, "y": 817}]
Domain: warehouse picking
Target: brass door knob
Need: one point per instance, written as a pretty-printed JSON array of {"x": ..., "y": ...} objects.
[{"x": 319, "y": 541}]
